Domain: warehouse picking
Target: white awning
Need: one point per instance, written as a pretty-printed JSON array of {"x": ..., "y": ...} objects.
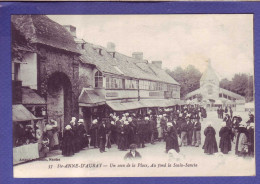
[{"x": 20, "y": 113}]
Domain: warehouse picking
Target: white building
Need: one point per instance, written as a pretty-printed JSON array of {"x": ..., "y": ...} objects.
[{"x": 212, "y": 94}]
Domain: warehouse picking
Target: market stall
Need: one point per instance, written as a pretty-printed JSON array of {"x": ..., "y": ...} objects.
[{"x": 25, "y": 144}]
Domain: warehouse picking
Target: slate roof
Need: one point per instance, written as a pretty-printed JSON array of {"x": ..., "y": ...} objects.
[
  {"x": 221, "y": 90},
  {"x": 90, "y": 96},
  {"x": 41, "y": 29},
  {"x": 232, "y": 94},
  {"x": 123, "y": 65},
  {"x": 30, "y": 97}
]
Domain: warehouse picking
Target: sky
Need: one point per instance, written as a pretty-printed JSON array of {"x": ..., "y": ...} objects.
[{"x": 176, "y": 40}]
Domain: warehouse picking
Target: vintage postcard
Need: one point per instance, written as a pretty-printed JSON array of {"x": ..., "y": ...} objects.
[{"x": 133, "y": 95}]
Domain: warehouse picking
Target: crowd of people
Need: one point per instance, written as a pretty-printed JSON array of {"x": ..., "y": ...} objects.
[
  {"x": 233, "y": 129},
  {"x": 177, "y": 128}
]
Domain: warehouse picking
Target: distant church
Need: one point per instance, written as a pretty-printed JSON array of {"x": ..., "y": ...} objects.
[{"x": 212, "y": 94}]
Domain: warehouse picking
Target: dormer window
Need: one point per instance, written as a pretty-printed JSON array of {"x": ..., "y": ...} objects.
[{"x": 98, "y": 79}]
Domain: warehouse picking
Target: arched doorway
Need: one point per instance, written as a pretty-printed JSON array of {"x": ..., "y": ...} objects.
[{"x": 59, "y": 99}]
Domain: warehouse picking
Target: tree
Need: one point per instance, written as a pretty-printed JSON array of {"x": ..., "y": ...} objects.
[
  {"x": 241, "y": 84},
  {"x": 188, "y": 78},
  {"x": 226, "y": 84}
]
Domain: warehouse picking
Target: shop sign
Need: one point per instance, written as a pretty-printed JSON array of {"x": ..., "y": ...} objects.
[
  {"x": 154, "y": 93},
  {"x": 112, "y": 94}
]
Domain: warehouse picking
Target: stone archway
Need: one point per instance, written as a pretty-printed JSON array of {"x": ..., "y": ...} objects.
[{"x": 59, "y": 99}]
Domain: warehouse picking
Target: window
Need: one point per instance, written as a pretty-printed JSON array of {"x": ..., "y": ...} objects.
[
  {"x": 114, "y": 83},
  {"x": 130, "y": 84},
  {"x": 98, "y": 79},
  {"x": 15, "y": 71},
  {"x": 164, "y": 87},
  {"x": 107, "y": 82}
]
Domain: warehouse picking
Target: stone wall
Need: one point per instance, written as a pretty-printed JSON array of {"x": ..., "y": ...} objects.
[
  {"x": 51, "y": 61},
  {"x": 86, "y": 77}
]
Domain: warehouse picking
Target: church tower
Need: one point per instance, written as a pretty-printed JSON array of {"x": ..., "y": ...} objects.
[
  {"x": 209, "y": 76},
  {"x": 209, "y": 83}
]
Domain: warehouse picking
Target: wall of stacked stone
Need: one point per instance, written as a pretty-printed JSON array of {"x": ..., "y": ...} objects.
[{"x": 52, "y": 60}]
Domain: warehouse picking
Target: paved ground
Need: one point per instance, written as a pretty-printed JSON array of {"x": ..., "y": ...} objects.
[{"x": 192, "y": 163}]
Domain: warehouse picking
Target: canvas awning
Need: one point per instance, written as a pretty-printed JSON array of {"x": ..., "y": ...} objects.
[
  {"x": 89, "y": 98},
  {"x": 123, "y": 106},
  {"x": 20, "y": 113}
]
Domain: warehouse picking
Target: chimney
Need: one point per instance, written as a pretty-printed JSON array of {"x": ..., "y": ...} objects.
[
  {"x": 137, "y": 55},
  {"x": 158, "y": 64},
  {"x": 111, "y": 47},
  {"x": 71, "y": 29}
]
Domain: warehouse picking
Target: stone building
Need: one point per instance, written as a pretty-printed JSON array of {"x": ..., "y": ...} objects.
[
  {"x": 212, "y": 94},
  {"x": 45, "y": 68},
  {"x": 56, "y": 75},
  {"x": 113, "y": 82}
]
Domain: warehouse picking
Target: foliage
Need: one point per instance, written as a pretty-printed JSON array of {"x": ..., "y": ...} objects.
[
  {"x": 241, "y": 84},
  {"x": 188, "y": 78}
]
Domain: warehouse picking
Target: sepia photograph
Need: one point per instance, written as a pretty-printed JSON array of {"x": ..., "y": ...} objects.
[{"x": 140, "y": 95}]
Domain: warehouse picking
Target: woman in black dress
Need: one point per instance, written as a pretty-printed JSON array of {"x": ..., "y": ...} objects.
[
  {"x": 67, "y": 143},
  {"x": 210, "y": 144},
  {"x": 171, "y": 138},
  {"x": 225, "y": 135}
]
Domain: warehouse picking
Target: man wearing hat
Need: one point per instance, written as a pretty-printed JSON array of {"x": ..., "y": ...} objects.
[
  {"x": 184, "y": 129},
  {"x": 121, "y": 137},
  {"x": 94, "y": 133},
  {"x": 133, "y": 154},
  {"x": 102, "y": 136},
  {"x": 82, "y": 134},
  {"x": 140, "y": 132},
  {"x": 190, "y": 126},
  {"x": 196, "y": 138}
]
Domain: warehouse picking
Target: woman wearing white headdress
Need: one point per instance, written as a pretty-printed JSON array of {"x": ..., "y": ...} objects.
[
  {"x": 225, "y": 135},
  {"x": 52, "y": 133},
  {"x": 241, "y": 148},
  {"x": 210, "y": 144}
]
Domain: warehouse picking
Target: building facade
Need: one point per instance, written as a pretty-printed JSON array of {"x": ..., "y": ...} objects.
[
  {"x": 212, "y": 94},
  {"x": 113, "y": 82},
  {"x": 45, "y": 72},
  {"x": 57, "y": 75}
]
